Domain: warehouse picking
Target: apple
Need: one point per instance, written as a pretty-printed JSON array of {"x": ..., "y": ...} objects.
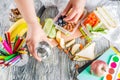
[{"x": 99, "y": 68}]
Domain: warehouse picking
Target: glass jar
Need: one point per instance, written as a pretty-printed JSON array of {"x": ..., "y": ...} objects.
[{"x": 44, "y": 51}]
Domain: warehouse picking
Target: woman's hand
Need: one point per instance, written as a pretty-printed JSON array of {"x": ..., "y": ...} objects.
[
  {"x": 35, "y": 35},
  {"x": 74, "y": 10}
]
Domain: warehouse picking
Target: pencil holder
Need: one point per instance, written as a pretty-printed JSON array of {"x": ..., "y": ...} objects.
[{"x": 12, "y": 53}]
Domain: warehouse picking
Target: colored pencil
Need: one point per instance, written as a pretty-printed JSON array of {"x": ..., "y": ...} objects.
[
  {"x": 6, "y": 62},
  {"x": 17, "y": 44},
  {"x": 23, "y": 52},
  {"x": 22, "y": 49},
  {"x": 14, "y": 59},
  {"x": 1, "y": 39},
  {"x": 7, "y": 47},
  {"x": 2, "y": 57},
  {"x": 21, "y": 43},
  {"x": 1, "y": 61},
  {"x": 10, "y": 57},
  {"x": 16, "y": 38},
  {"x": 6, "y": 38},
  {"x": 9, "y": 39},
  {"x": 3, "y": 52},
  {"x": 12, "y": 64}
]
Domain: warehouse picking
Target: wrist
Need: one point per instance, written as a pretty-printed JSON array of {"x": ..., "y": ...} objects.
[
  {"x": 33, "y": 22},
  {"x": 34, "y": 25}
]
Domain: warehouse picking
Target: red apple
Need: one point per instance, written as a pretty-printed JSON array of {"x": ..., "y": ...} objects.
[{"x": 99, "y": 68}]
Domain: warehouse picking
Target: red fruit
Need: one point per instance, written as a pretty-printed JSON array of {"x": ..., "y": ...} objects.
[{"x": 99, "y": 68}]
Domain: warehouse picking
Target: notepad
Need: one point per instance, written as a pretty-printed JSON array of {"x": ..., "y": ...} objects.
[{"x": 85, "y": 74}]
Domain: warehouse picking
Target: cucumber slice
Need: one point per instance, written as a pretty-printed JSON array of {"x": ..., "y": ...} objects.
[
  {"x": 52, "y": 33},
  {"x": 48, "y": 26},
  {"x": 98, "y": 26},
  {"x": 89, "y": 27}
]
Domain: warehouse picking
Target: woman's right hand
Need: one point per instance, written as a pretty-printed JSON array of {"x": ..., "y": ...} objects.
[{"x": 35, "y": 35}]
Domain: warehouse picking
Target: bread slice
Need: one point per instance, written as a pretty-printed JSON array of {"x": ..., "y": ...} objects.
[
  {"x": 87, "y": 53},
  {"x": 103, "y": 20},
  {"x": 103, "y": 12}
]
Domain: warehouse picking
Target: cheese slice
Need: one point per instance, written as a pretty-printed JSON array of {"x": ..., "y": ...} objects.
[
  {"x": 87, "y": 53},
  {"x": 79, "y": 59}
]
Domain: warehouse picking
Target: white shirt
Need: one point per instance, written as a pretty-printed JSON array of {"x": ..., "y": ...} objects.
[{"x": 61, "y": 4}]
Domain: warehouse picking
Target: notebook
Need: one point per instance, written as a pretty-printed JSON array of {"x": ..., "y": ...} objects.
[{"x": 85, "y": 74}]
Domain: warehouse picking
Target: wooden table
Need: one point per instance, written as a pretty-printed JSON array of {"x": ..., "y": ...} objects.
[{"x": 60, "y": 68}]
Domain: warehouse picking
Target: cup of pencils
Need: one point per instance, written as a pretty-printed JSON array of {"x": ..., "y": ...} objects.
[{"x": 11, "y": 51}]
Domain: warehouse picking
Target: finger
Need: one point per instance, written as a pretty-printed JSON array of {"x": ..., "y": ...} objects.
[
  {"x": 71, "y": 15},
  {"x": 27, "y": 41},
  {"x": 75, "y": 18},
  {"x": 66, "y": 10},
  {"x": 34, "y": 52}
]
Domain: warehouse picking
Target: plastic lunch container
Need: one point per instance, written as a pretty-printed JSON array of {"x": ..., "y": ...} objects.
[
  {"x": 105, "y": 21},
  {"x": 76, "y": 26}
]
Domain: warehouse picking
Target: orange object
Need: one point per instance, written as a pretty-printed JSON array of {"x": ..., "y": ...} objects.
[
  {"x": 92, "y": 19},
  {"x": 109, "y": 77},
  {"x": 81, "y": 46}
]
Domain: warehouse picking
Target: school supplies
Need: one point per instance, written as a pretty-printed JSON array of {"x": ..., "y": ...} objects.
[
  {"x": 11, "y": 51},
  {"x": 86, "y": 75},
  {"x": 113, "y": 72}
]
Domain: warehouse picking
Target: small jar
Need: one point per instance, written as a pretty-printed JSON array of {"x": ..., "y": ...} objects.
[{"x": 44, "y": 50}]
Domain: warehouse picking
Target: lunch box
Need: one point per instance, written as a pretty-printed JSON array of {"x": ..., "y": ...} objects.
[
  {"x": 74, "y": 29},
  {"x": 104, "y": 24}
]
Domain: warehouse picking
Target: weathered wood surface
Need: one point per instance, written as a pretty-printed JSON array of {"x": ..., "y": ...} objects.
[{"x": 60, "y": 67}]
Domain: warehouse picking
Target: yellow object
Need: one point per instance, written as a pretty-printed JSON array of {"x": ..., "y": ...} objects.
[
  {"x": 2, "y": 57},
  {"x": 23, "y": 52},
  {"x": 115, "y": 50},
  {"x": 58, "y": 36},
  {"x": 119, "y": 75},
  {"x": 0, "y": 38},
  {"x": 18, "y": 28},
  {"x": 62, "y": 43}
]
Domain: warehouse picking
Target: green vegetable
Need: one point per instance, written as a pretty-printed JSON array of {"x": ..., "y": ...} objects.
[
  {"x": 97, "y": 28},
  {"x": 48, "y": 26},
  {"x": 99, "y": 25},
  {"x": 52, "y": 33},
  {"x": 85, "y": 35},
  {"x": 89, "y": 27}
]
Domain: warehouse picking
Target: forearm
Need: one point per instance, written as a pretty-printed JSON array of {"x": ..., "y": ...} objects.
[{"x": 26, "y": 7}]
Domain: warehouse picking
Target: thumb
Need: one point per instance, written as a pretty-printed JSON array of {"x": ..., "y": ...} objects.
[{"x": 34, "y": 53}]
